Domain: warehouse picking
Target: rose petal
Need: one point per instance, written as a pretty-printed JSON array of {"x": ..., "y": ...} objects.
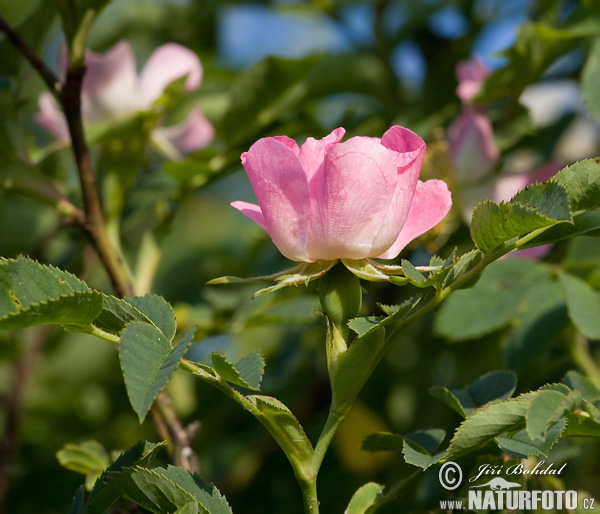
[
  {"x": 252, "y": 211},
  {"x": 193, "y": 133},
  {"x": 110, "y": 83},
  {"x": 471, "y": 145},
  {"x": 282, "y": 192},
  {"x": 409, "y": 151},
  {"x": 51, "y": 119},
  {"x": 431, "y": 203},
  {"x": 312, "y": 153},
  {"x": 351, "y": 195},
  {"x": 167, "y": 64}
]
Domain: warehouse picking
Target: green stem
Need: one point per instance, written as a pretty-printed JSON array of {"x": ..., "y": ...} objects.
[{"x": 309, "y": 496}]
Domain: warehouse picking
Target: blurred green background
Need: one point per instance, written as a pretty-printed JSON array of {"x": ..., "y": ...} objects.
[{"x": 300, "y": 69}]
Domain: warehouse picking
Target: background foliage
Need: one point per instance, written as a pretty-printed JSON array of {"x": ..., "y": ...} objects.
[{"x": 300, "y": 69}]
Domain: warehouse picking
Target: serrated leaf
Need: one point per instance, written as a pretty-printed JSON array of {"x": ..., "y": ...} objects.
[
  {"x": 148, "y": 361},
  {"x": 494, "y": 224},
  {"x": 365, "y": 325},
  {"x": 34, "y": 294},
  {"x": 207, "y": 495},
  {"x": 493, "y": 302},
  {"x": 488, "y": 422},
  {"x": 150, "y": 489},
  {"x": 583, "y": 304},
  {"x": 520, "y": 445},
  {"x": 547, "y": 408},
  {"x": 285, "y": 428},
  {"x": 115, "y": 315},
  {"x": 363, "y": 498},
  {"x": 582, "y": 184},
  {"x": 368, "y": 325},
  {"x": 418, "y": 279},
  {"x": 246, "y": 373},
  {"x": 549, "y": 199},
  {"x": 586, "y": 222},
  {"x": 103, "y": 495},
  {"x": 462, "y": 265},
  {"x": 496, "y": 385},
  {"x": 158, "y": 310}
]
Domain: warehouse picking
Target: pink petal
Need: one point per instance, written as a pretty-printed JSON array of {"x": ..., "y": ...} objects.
[
  {"x": 193, "y": 133},
  {"x": 110, "y": 83},
  {"x": 167, "y": 64},
  {"x": 51, "y": 119},
  {"x": 431, "y": 203},
  {"x": 470, "y": 74},
  {"x": 409, "y": 150},
  {"x": 282, "y": 192},
  {"x": 471, "y": 145},
  {"x": 351, "y": 195},
  {"x": 312, "y": 153},
  {"x": 289, "y": 142},
  {"x": 252, "y": 211}
]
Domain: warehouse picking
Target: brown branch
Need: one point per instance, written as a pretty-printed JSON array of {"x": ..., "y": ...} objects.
[
  {"x": 94, "y": 226},
  {"x": 181, "y": 438},
  {"x": 69, "y": 96},
  {"x": 51, "y": 80}
]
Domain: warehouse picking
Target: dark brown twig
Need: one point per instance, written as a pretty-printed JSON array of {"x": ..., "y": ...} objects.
[{"x": 51, "y": 80}]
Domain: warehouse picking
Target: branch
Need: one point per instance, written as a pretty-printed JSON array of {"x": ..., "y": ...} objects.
[{"x": 51, "y": 80}]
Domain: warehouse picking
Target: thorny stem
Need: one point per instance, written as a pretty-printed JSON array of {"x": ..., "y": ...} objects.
[{"x": 91, "y": 220}]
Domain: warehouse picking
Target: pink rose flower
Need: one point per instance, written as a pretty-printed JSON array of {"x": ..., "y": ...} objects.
[
  {"x": 331, "y": 200},
  {"x": 112, "y": 91}
]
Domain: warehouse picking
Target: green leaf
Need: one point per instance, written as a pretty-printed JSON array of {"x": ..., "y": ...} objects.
[
  {"x": 590, "y": 78},
  {"x": 150, "y": 489},
  {"x": 579, "y": 425},
  {"x": 417, "y": 447},
  {"x": 488, "y": 422},
  {"x": 189, "y": 508},
  {"x": 496, "y": 385},
  {"x": 206, "y": 494},
  {"x": 544, "y": 205},
  {"x": 520, "y": 445},
  {"x": 303, "y": 274},
  {"x": 496, "y": 299},
  {"x": 582, "y": 183},
  {"x": 547, "y": 408},
  {"x": 285, "y": 428},
  {"x": 583, "y": 304},
  {"x": 115, "y": 315},
  {"x": 88, "y": 458},
  {"x": 586, "y": 222},
  {"x": 363, "y": 498},
  {"x": 78, "y": 503},
  {"x": 248, "y": 372},
  {"x": 575, "y": 380},
  {"x": 366, "y": 270},
  {"x": 368, "y": 325},
  {"x": 462, "y": 265},
  {"x": 103, "y": 495},
  {"x": 365, "y": 325},
  {"x": 417, "y": 279},
  {"x": 158, "y": 310},
  {"x": 33, "y": 294},
  {"x": 148, "y": 361}
]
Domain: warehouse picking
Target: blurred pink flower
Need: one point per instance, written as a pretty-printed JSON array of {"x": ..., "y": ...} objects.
[
  {"x": 112, "y": 91},
  {"x": 330, "y": 200},
  {"x": 470, "y": 74},
  {"x": 471, "y": 145}
]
